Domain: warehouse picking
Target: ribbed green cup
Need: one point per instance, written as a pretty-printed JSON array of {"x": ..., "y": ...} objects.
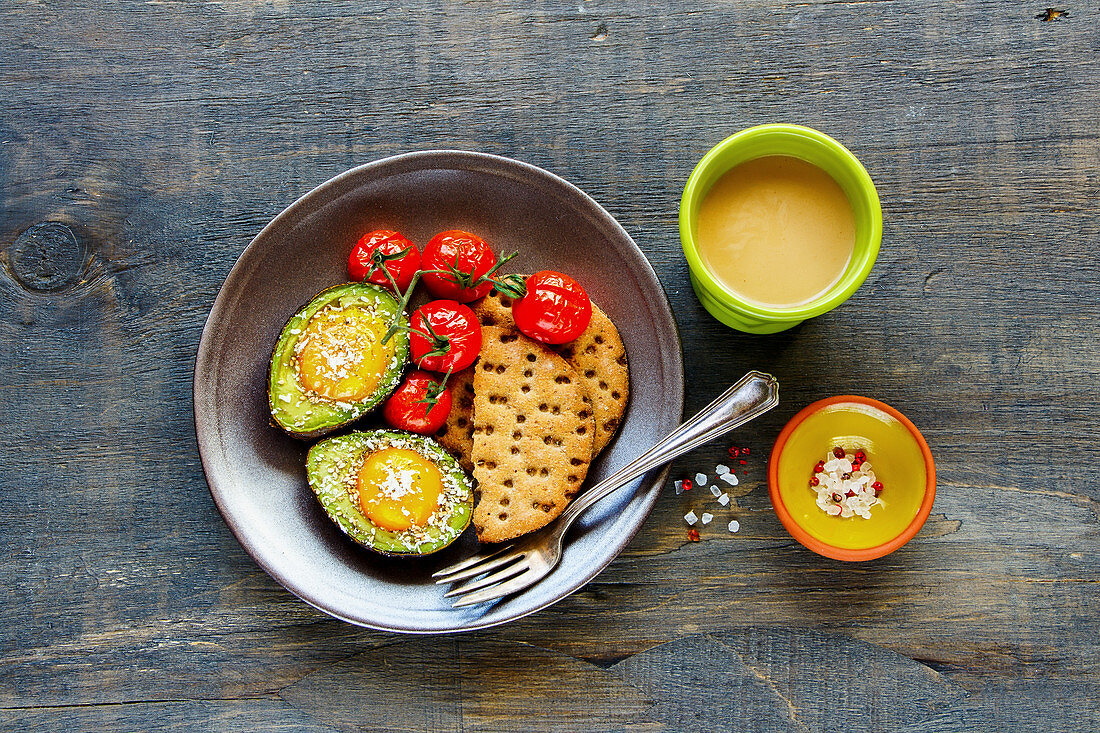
[{"x": 813, "y": 147}]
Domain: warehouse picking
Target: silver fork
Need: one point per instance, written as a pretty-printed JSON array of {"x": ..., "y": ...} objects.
[{"x": 530, "y": 559}]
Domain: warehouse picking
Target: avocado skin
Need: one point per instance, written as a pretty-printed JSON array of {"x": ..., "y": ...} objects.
[
  {"x": 284, "y": 348},
  {"x": 329, "y": 481}
]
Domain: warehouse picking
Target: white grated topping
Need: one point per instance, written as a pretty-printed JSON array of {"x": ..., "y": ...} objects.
[{"x": 398, "y": 484}]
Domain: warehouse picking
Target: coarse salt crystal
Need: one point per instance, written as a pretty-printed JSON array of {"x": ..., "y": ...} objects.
[
  {"x": 845, "y": 497},
  {"x": 679, "y": 485},
  {"x": 724, "y": 499},
  {"x": 721, "y": 468},
  {"x": 690, "y": 518},
  {"x": 729, "y": 478},
  {"x": 701, "y": 479},
  {"x": 715, "y": 490},
  {"x": 707, "y": 517},
  {"x": 734, "y": 525}
]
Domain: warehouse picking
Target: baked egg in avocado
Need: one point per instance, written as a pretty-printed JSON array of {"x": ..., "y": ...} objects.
[
  {"x": 392, "y": 492},
  {"x": 329, "y": 366}
]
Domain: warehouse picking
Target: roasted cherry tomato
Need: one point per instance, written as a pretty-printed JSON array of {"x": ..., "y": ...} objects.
[
  {"x": 410, "y": 406},
  {"x": 363, "y": 262},
  {"x": 445, "y": 336},
  {"x": 464, "y": 258},
  {"x": 554, "y": 310}
]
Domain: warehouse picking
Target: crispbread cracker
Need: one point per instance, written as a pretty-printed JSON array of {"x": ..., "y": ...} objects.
[
  {"x": 599, "y": 357},
  {"x": 495, "y": 310},
  {"x": 533, "y": 434},
  {"x": 457, "y": 435},
  {"x": 597, "y": 354}
]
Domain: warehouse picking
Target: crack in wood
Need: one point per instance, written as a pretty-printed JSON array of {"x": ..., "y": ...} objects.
[
  {"x": 1088, "y": 501},
  {"x": 935, "y": 666},
  {"x": 792, "y": 709},
  {"x": 1050, "y": 14},
  {"x": 124, "y": 703}
]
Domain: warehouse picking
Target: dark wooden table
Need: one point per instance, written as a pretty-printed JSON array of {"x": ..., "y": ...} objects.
[{"x": 164, "y": 135}]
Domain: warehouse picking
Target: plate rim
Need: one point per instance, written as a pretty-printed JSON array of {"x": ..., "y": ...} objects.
[{"x": 204, "y": 363}]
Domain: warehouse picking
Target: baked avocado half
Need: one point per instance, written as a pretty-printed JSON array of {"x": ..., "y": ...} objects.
[
  {"x": 329, "y": 366},
  {"x": 392, "y": 492}
]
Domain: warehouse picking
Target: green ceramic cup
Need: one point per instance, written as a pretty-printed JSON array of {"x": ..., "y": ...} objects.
[{"x": 813, "y": 147}]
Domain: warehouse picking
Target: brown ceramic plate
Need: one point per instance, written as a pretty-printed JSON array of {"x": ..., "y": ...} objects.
[{"x": 256, "y": 474}]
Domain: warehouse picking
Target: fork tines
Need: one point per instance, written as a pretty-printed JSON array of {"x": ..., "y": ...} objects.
[{"x": 511, "y": 571}]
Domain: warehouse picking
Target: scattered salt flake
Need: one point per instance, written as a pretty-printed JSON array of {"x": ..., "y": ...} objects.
[
  {"x": 724, "y": 499},
  {"x": 679, "y": 486},
  {"x": 721, "y": 468},
  {"x": 729, "y": 478},
  {"x": 690, "y": 518},
  {"x": 701, "y": 479},
  {"x": 715, "y": 490},
  {"x": 734, "y": 525},
  {"x": 707, "y": 516}
]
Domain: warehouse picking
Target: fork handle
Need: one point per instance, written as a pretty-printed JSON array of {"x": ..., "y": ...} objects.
[{"x": 752, "y": 396}]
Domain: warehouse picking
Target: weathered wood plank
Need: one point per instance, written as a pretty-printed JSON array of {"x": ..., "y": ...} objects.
[
  {"x": 213, "y": 716},
  {"x": 165, "y": 135}
]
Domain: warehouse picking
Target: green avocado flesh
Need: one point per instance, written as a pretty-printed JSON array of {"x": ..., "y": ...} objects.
[
  {"x": 368, "y": 309},
  {"x": 332, "y": 469}
]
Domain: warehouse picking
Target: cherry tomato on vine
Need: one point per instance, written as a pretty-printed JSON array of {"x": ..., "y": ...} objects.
[
  {"x": 366, "y": 259},
  {"x": 465, "y": 258},
  {"x": 445, "y": 336},
  {"x": 554, "y": 310},
  {"x": 420, "y": 405}
]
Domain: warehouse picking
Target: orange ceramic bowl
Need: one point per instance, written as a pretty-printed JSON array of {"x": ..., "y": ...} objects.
[{"x": 896, "y": 451}]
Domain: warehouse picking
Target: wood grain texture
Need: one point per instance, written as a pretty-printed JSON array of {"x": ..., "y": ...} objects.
[{"x": 165, "y": 135}]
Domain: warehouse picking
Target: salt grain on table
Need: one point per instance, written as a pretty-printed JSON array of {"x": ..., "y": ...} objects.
[
  {"x": 734, "y": 525},
  {"x": 701, "y": 479},
  {"x": 715, "y": 490},
  {"x": 690, "y": 518},
  {"x": 707, "y": 517},
  {"x": 724, "y": 499},
  {"x": 729, "y": 478},
  {"x": 679, "y": 486},
  {"x": 721, "y": 468}
]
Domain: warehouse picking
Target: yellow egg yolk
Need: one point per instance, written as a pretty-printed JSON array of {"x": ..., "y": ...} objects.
[
  {"x": 340, "y": 354},
  {"x": 399, "y": 488}
]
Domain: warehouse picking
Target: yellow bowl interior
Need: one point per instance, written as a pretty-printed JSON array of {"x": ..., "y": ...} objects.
[{"x": 893, "y": 453}]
